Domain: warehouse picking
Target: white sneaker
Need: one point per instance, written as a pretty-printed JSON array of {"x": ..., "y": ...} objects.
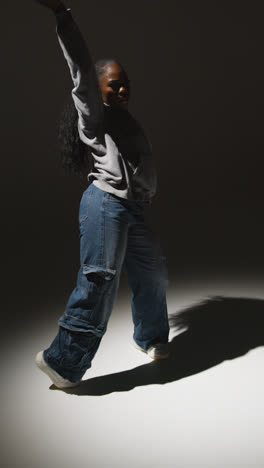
[
  {"x": 57, "y": 379},
  {"x": 157, "y": 351}
]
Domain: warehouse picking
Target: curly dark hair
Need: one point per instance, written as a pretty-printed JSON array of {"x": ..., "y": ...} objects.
[{"x": 76, "y": 157}]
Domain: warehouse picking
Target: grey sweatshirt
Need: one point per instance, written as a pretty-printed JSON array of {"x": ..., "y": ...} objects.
[{"x": 122, "y": 157}]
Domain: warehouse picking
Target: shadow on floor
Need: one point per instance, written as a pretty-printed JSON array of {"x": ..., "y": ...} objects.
[{"x": 212, "y": 331}]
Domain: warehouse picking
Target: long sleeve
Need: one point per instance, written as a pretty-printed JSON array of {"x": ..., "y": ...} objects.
[{"x": 86, "y": 93}]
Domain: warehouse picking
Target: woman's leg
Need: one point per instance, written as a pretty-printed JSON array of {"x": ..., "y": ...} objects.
[
  {"x": 103, "y": 239},
  {"x": 147, "y": 274}
]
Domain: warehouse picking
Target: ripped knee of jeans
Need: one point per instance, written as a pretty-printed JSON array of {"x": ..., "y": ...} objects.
[{"x": 95, "y": 278}]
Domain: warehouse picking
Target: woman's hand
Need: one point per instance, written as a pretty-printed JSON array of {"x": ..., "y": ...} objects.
[{"x": 51, "y": 4}]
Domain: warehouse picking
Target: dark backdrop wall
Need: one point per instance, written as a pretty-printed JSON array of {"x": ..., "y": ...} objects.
[{"x": 197, "y": 81}]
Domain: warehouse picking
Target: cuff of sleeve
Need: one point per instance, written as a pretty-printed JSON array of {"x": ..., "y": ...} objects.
[{"x": 61, "y": 10}]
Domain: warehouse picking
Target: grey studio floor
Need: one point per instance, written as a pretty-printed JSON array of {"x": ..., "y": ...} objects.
[{"x": 201, "y": 408}]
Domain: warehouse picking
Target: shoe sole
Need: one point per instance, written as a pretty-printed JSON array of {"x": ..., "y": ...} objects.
[
  {"x": 56, "y": 379},
  {"x": 158, "y": 358}
]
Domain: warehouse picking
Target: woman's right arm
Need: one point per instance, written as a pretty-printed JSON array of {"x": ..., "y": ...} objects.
[{"x": 86, "y": 93}]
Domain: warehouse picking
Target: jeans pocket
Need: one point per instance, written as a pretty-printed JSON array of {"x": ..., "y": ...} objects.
[{"x": 113, "y": 198}]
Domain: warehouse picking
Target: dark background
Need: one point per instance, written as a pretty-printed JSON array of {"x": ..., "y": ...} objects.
[{"x": 197, "y": 88}]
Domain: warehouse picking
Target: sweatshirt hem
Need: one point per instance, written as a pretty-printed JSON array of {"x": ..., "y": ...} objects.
[{"x": 124, "y": 194}]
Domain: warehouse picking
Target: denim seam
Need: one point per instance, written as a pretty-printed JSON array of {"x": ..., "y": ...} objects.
[
  {"x": 96, "y": 330},
  {"x": 103, "y": 231},
  {"x": 87, "y": 206},
  {"x": 77, "y": 318}
]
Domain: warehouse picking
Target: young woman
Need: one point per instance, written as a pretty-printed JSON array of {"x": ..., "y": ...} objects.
[{"x": 113, "y": 234}]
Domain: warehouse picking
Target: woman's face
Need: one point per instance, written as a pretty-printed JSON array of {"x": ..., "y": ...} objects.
[{"x": 114, "y": 86}]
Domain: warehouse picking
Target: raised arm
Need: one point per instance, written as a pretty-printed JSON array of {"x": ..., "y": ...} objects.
[{"x": 86, "y": 93}]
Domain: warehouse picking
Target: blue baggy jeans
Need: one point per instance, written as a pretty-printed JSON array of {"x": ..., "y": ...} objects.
[{"x": 113, "y": 236}]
